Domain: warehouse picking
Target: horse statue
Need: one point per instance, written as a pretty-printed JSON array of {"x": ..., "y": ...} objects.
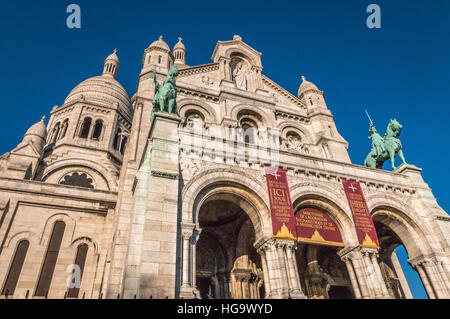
[
  {"x": 384, "y": 148},
  {"x": 166, "y": 94}
]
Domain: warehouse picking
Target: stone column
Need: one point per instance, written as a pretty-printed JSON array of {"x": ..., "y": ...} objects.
[
  {"x": 265, "y": 270},
  {"x": 282, "y": 268},
  {"x": 186, "y": 290},
  {"x": 376, "y": 265},
  {"x": 193, "y": 262},
  {"x": 266, "y": 249},
  {"x": 295, "y": 290},
  {"x": 351, "y": 274},
  {"x": 372, "y": 280},
  {"x": 442, "y": 273},
  {"x": 426, "y": 283},
  {"x": 401, "y": 276},
  {"x": 359, "y": 267},
  {"x": 435, "y": 280}
]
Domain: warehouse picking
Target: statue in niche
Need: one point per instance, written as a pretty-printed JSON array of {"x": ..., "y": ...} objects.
[
  {"x": 293, "y": 142},
  {"x": 194, "y": 122},
  {"x": 239, "y": 77}
]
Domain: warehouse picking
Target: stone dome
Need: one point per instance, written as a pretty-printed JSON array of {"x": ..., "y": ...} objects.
[
  {"x": 36, "y": 135},
  {"x": 179, "y": 45},
  {"x": 39, "y": 129},
  {"x": 160, "y": 44},
  {"x": 306, "y": 86},
  {"x": 113, "y": 56},
  {"x": 104, "y": 89}
]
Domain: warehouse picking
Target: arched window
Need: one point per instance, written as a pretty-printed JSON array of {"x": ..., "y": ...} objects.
[
  {"x": 64, "y": 128},
  {"x": 48, "y": 267},
  {"x": 84, "y": 133},
  {"x": 15, "y": 268},
  {"x": 249, "y": 134},
  {"x": 55, "y": 133},
  {"x": 122, "y": 146},
  {"x": 80, "y": 261},
  {"x": 117, "y": 139},
  {"x": 97, "y": 129}
]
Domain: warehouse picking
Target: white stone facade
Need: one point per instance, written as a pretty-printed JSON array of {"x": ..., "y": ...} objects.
[{"x": 177, "y": 206}]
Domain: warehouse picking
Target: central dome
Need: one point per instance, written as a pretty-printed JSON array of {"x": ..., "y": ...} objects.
[{"x": 103, "y": 89}]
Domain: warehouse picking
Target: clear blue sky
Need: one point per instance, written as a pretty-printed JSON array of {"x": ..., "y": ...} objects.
[{"x": 401, "y": 70}]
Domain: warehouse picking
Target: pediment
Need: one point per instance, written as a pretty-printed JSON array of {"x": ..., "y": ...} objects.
[
  {"x": 26, "y": 149},
  {"x": 227, "y": 49},
  {"x": 282, "y": 96}
]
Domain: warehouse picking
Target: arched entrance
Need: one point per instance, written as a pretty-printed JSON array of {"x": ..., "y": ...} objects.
[
  {"x": 389, "y": 264},
  {"x": 323, "y": 275},
  {"x": 395, "y": 229},
  {"x": 227, "y": 264}
]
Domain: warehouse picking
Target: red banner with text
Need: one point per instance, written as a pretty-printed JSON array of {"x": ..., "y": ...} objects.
[
  {"x": 315, "y": 227},
  {"x": 283, "y": 220},
  {"x": 365, "y": 228}
]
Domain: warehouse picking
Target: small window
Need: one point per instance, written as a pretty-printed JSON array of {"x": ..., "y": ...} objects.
[
  {"x": 55, "y": 133},
  {"x": 249, "y": 136},
  {"x": 122, "y": 146},
  {"x": 51, "y": 256},
  {"x": 117, "y": 139},
  {"x": 97, "y": 130},
  {"x": 84, "y": 133},
  {"x": 15, "y": 268},
  {"x": 310, "y": 101},
  {"x": 159, "y": 59},
  {"x": 64, "y": 128}
]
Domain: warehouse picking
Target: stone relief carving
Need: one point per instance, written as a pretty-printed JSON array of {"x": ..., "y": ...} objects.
[
  {"x": 206, "y": 80},
  {"x": 189, "y": 168},
  {"x": 293, "y": 142}
]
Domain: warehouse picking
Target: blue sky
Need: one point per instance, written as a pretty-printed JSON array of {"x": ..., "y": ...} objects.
[{"x": 401, "y": 70}]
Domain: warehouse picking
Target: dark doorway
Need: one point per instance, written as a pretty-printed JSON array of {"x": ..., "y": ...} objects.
[{"x": 340, "y": 292}]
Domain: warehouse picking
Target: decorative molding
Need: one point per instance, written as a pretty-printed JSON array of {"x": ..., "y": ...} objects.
[
  {"x": 283, "y": 92},
  {"x": 445, "y": 219},
  {"x": 290, "y": 116},
  {"x": 199, "y": 69},
  {"x": 198, "y": 94},
  {"x": 164, "y": 175}
]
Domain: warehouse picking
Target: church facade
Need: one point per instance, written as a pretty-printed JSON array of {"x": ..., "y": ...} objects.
[{"x": 114, "y": 199}]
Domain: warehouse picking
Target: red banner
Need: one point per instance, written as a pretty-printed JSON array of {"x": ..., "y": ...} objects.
[
  {"x": 365, "y": 228},
  {"x": 315, "y": 227},
  {"x": 283, "y": 221}
]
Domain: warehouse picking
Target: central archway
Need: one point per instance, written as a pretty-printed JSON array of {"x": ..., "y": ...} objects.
[
  {"x": 323, "y": 275},
  {"x": 227, "y": 264}
]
